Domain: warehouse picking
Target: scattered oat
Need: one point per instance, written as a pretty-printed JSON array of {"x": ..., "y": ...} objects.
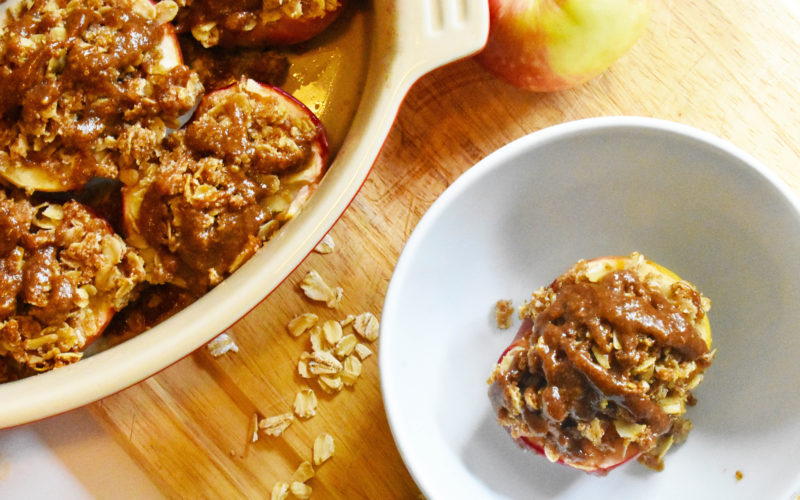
[
  {"x": 502, "y": 313},
  {"x": 366, "y": 325},
  {"x": 330, "y": 383},
  {"x": 255, "y": 427},
  {"x": 222, "y": 344},
  {"x": 302, "y": 323},
  {"x": 300, "y": 490},
  {"x": 332, "y": 331},
  {"x": 324, "y": 363},
  {"x": 363, "y": 351},
  {"x": 739, "y": 475},
  {"x": 323, "y": 448},
  {"x": 305, "y": 403},
  {"x": 316, "y": 289},
  {"x": 317, "y": 339},
  {"x": 347, "y": 320},
  {"x": 326, "y": 245},
  {"x": 351, "y": 370},
  {"x": 302, "y": 365},
  {"x": 345, "y": 346},
  {"x": 304, "y": 472},
  {"x": 274, "y": 426},
  {"x": 337, "y": 298},
  {"x": 280, "y": 491}
]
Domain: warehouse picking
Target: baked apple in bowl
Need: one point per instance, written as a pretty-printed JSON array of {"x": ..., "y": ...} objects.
[
  {"x": 604, "y": 363},
  {"x": 690, "y": 202}
]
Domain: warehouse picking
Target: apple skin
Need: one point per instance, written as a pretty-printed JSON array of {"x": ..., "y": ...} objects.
[
  {"x": 621, "y": 456},
  {"x": 549, "y": 45},
  {"x": 35, "y": 178},
  {"x": 531, "y": 444},
  {"x": 280, "y": 33},
  {"x": 297, "y": 184}
]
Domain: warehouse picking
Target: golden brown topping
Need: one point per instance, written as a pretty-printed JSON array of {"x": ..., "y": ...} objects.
[
  {"x": 75, "y": 77},
  {"x": 605, "y": 363},
  {"x": 199, "y": 217},
  {"x": 502, "y": 313},
  {"x": 202, "y": 204},
  {"x": 63, "y": 273},
  {"x": 252, "y": 127}
]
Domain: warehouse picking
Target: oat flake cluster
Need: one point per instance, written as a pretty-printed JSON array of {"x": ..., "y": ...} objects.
[{"x": 331, "y": 362}]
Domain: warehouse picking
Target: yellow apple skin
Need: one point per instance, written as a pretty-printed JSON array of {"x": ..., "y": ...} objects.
[{"x": 549, "y": 45}]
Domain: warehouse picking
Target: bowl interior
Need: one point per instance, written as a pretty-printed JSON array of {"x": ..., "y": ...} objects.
[{"x": 519, "y": 218}]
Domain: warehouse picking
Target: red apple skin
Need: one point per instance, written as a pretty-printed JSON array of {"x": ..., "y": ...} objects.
[
  {"x": 300, "y": 184},
  {"x": 551, "y": 45},
  {"x": 282, "y": 32},
  {"x": 279, "y": 33},
  {"x": 320, "y": 148},
  {"x": 34, "y": 178},
  {"x": 528, "y": 443}
]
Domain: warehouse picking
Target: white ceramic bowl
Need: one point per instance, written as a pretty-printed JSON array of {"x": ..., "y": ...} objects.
[
  {"x": 519, "y": 218},
  {"x": 355, "y": 78}
]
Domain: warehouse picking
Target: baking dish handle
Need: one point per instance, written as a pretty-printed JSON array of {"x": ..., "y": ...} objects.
[{"x": 431, "y": 33}]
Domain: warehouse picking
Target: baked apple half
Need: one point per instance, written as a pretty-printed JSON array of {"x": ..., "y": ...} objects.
[
  {"x": 604, "y": 364},
  {"x": 245, "y": 163},
  {"x": 255, "y": 23},
  {"x": 87, "y": 85},
  {"x": 63, "y": 274}
]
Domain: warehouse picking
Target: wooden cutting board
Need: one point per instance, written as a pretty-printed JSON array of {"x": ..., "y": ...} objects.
[{"x": 726, "y": 66}]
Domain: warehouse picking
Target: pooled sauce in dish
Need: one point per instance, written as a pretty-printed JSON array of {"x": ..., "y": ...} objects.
[
  {"x": 220, "y": 67},
  {"x": 604, "y": 370}
]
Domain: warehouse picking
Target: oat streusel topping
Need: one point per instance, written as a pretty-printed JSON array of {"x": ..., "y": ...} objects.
[
  {"x": 63, "y": 272},
  {"x": 81, "y": 78}
]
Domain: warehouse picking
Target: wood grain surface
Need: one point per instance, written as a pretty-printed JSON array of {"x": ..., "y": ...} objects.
[{"x": 727, "y": 66}]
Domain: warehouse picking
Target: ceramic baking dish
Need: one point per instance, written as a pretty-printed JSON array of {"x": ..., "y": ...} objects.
[{"x": 355, "y": 78}]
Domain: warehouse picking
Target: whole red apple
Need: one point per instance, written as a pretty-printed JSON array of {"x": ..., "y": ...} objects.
[{"x": 547, "y": 45}]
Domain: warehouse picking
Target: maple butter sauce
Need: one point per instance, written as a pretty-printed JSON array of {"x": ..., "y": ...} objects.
[
  {"x": 603, "y": 368},
  {"x": 76, "y": 76}
]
